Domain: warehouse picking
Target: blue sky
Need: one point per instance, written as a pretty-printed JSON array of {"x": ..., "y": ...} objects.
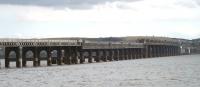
[{"x": 96, "y": 18}]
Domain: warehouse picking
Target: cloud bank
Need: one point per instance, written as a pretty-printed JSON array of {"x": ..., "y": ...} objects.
[{"x": 72, "y": 4}]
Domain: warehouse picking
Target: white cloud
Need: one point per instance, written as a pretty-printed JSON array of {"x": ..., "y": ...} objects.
[{"x": 147, "y": 17}]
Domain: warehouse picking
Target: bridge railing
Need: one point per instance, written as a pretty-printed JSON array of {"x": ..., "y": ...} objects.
[
  {"x": 38, "y": 42},
  {"x": 110, "y": 45}
]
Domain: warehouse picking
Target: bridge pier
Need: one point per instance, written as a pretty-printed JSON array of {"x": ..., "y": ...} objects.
[
  {"x": 150, "y": 51},
  {"x": 82, "y": 59},
  {"x": 130, "y": 54},
  {"x": 157, "y": 51},
  {"x": 104, "y": 57},
  {"x": 161, "y": 51},
  {"x": 35, "y": 58},
  {"x": 133, "y": 53},
  {"x": 116, "y": 54},
  {"x": 60, "y": 59},
  {"x": 165, "y": 51},
  {"x": 97, "y": 59},
  {"x": 137, "y": 53},
  {"x": 125, "y": 54},
  {"x": 146, "y": 49},
  {"x": 153, "y": 51},
  {"x": 49, "y": 60},
  {"x": 67, "y": 58},
  {"x": 90, "y": 56},
  {"x": 74, "y": 55},
  {"x": 121, "y": 54},
  {"x": 140, "y": 53},
  {"x": 170, "y": 51},
  {"x": 111, "y": 55}
]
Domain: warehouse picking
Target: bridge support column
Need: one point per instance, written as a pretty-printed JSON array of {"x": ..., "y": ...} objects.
[
  {"x": 90, "y": 56},
  {"x": 37, "y": 55},
  {"x": 157, "y": 51},
  {"x": 136, "y": 53},
  {"x": 49, "y": 60},
  {"x": 7, "y": 62},
  {"x": 146, "y": 51},
  {"x": 133, "y": 53},
  {"x": 111, "y": 55},
  {"x": 116, "y": 54},
  {"x": 130, "y": 53},
  {"x": 82, "y": 59},
  {"x": 121, "y": 53},
  {"x": 104, "y": 55},
  {"x": 67, "y": 59},
  {"x": 161, "y": 51},
  {"x": 60, "y": 56},
  {"x": 19, "y": 57},
  {"x": 164, "y": 51},
  {"x": 174, "y": 51},
  {"x": 35, "y": 59},
  {"x": 97, "y": 59},
  {"x": 171, "y": 51},
  {"x": 24, "y": 57},
  {"x": 141, "y": 54},
  {"x": 125, "y": 53},
  {"x": 75, "y": 55},
  {"x": 154, "y": 51},
  {"x": 177, "y": 51}
]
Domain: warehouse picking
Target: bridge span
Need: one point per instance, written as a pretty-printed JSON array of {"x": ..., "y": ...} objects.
[{"x": 74, "y": 51}]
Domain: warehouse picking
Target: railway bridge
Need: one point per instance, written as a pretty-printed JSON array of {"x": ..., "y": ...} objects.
[{"x": 75, "y": 51}]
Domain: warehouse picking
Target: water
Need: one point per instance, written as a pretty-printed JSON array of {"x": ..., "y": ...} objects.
[{"x": 177, "y": 71}]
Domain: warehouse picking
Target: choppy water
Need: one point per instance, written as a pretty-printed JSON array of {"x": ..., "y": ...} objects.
[{"x": 177, "y": 71}]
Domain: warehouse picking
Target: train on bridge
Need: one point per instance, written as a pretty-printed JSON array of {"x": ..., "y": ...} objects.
[{"x": 78, "y": 51}]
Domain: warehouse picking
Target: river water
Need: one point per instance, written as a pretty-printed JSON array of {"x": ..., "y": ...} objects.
[{"x": 176, "y": 71}]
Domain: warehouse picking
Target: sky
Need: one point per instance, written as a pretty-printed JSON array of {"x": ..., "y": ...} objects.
[{"x": 99, "y": 18}]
